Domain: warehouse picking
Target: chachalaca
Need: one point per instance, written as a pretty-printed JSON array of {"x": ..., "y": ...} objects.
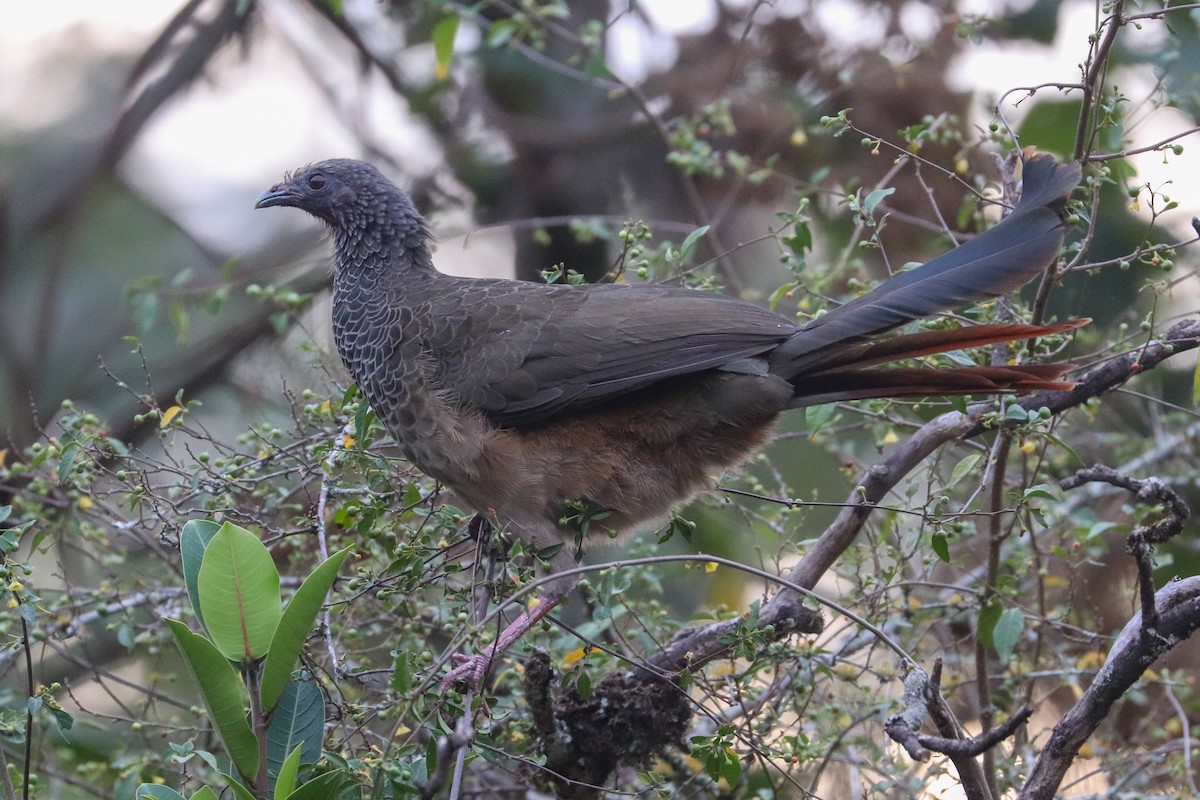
[{"x": 528, "y": 400}]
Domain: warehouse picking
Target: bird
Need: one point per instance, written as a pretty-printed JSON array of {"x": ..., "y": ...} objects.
[{"x": 534, "y": 401}]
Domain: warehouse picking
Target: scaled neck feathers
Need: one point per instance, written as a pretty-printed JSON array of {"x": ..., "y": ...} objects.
[{"x": 380, "y": 234}]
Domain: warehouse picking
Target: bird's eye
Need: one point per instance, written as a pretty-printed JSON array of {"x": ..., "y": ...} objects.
[{"x": 316, "y": 182}]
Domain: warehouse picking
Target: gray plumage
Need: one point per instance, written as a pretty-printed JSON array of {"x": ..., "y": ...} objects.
[{"x": 522, "y": 397}]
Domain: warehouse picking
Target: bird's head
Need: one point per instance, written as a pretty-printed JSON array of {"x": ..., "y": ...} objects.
[
  {"x": 374, "y": 223},
  {"x": 340, "y": 191},
  {"x": 329, "y": 190}
]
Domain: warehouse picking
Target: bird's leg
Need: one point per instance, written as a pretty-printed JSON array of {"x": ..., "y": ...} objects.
[
  {"x": 541, "y": 535},
  {"x": 471, "y": 669}
]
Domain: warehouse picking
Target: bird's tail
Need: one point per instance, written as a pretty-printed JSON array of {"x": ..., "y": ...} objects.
[
  {"x": 852, "y": 377},
  {"x": 830, "y": 359}
]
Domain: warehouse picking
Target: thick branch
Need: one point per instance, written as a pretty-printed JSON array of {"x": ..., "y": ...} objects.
[
  {"x": 922, "y": 694},
  {"x": 970, "y": 773},
  {"x": 1178, "y": 606}
]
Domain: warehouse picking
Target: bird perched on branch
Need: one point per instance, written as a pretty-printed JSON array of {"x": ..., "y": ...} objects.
[{"x": 530, "y": 400}]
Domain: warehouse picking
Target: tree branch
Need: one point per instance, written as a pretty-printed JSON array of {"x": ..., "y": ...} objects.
[
  {"x": 922, "y": 694},
  {"x": 1178, "y": 608}
]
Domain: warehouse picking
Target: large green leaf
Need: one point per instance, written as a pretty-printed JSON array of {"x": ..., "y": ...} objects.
[
  {"x": 989, "y": 615},
  {"x": 222, "y": 693},
  {"x": 321, "y": 787},
  {"x": 204, "y": 793},
  {"x": 285, "y": 781},
  {"x": 443, "y": 44},
  {"x": 239, "y": 791},
  {"x": 298, "y": 721},
  {"x": 193, "y": 541},
  {"x": 239, "y": 593},
  {"x": 153, "y": 791},
  {"x": 1007, "y": 632},
  {"x": 294, "y": 627}
]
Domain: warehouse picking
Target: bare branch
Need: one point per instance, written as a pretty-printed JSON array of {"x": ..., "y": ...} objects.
[
  {"x": 1144, "y": 537},
  {"x": 922, "y": 694},
  {"x": 1178, "y": 607}
]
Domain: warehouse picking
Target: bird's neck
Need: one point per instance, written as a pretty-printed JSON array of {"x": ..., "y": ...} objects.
[
  {"x": 372, "y": 257},
  {"x": 382, "y": 242}
]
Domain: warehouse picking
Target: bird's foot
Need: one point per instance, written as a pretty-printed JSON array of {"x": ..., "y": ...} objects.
[
  {"x": 471, "y": 669},
  {"x": 468, "y": 670}
]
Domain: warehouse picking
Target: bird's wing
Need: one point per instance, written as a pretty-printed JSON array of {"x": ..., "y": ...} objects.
[{"x": 523, "y": 353}]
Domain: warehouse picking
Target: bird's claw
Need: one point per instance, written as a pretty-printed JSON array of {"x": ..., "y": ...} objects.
[{"x": 468, "y": 670}]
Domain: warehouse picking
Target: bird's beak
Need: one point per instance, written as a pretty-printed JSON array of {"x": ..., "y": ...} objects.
[{"x": 280, "y": 194}]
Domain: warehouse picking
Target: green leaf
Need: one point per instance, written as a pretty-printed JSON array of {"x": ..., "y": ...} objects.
[
  {"x": 1014, "y": 413},
  {"x": 1060, "y": 443},
  {"x": 1196, "y": 383},
  {"x": 321, "y": 787},
  {"x": 801, "y": 240},
  {"x": 64, "y": 720},
  {"x": 239, "y": 593},
  {"x": 239, "y": 789},
  {"x": 362, "y": 422},
  {"x": 501, "y": 31},
  {"x": 875, "y": 197},
  {"x": 1007, "y": 632},
  {"x": 294, "y": 626},
  {"x": 66, "y": 460},
  {"x": 193, "y": 540},
  {"x": 180, "y": 319},
  {"x": 154, "y": 791},
  {"x": 989, "y": 615},
  {"x": 205, "y": 793},
  {"x": 145, "y": 310},
  {"x": 285, "y": 782},
  {"x": 443, "y": 44},
  {"x": 959, "y": 358},
  {"x": 815, "y": 417},
  {"x": 401, "y": 672},
  {"x": 1096, "y": 529},
  {"x": 1041, "y": 490},
  {"x": 690, "y": 241},
  {"x": 941, "y": 545},
  {"x": 962, "y": 468},
  {"x": 780, "y": 293},
  {"x": 297, "y": 722},
  {"x": 732, "y": 769},
  {"x": 596, "y": 67},
  {"x": 222, "y": 693}
]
